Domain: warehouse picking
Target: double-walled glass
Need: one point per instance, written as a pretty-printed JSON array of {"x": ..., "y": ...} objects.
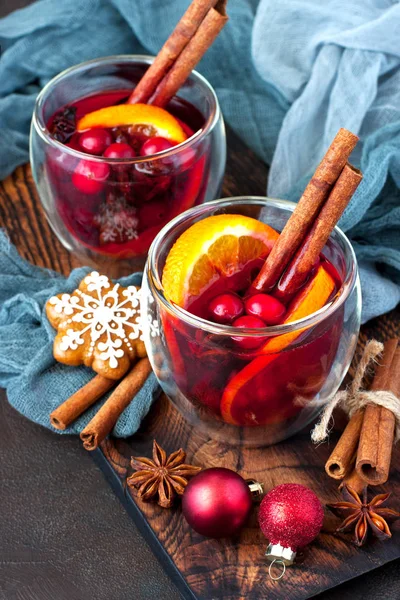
[
  {"x": 151, "y": 190},
  {"x": 256, "y": 398}
]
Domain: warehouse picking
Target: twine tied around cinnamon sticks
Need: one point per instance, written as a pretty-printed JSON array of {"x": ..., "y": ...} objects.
[
  {"x": 363, "y": 453},
  {"x": 355, "y": 397}
]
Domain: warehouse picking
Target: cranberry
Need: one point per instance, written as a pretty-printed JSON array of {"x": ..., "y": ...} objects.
[
  {"x": 154, "y": 145},
  {"x": 225, "y": 308},
  {"x": 95, "y": 141},
  {"x": 268, "y": 308},
  {"x": 248, "y": 343},
  {"x": 89, "y": 177},
  {"x": 119, "y": 150}
]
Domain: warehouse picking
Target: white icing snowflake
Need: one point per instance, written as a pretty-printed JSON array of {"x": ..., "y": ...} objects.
[
  {"x": 102, "y": 313},
  {"x": 131, "y": 293},
  {"x": 147, "y": 322},
  {"x": 143, "y": 323},
  {"x": 136, "y": 333}
]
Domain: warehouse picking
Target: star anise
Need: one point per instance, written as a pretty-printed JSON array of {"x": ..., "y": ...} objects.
[
  {"x": 163, "y": 476},
  {"x": 63, "y": 126},
  {"x": 364, "y": 516}
]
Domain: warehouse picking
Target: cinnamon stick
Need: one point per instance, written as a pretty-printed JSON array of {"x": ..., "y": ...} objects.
[
  {"x": 377, "y": 433},
  {"x": 341, "y": 461},
  {"x": 105, "y": 419},
  {"x": 315, "y": 194},
  {"x": 189, "y": 41},
  {"x": 214, "y": 21},
  {"x": 307, "y": 255},
  {"x": 354, "y": 481},
  {"x": 72, "y": 408}
]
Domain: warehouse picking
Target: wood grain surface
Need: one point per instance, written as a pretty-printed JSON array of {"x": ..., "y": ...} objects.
[
  {"x": 235, "y": 569},
  {"x": 207, "y": 569}
]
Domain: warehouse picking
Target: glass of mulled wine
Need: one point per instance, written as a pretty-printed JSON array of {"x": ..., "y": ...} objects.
[
  {"x": 246, "y": 384},
  {"x": 108, "y": 189}
]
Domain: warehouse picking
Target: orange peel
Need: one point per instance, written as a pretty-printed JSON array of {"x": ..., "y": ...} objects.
[
  {"x": 218, "y": 246},
  {"x": 141, "y": 115}
]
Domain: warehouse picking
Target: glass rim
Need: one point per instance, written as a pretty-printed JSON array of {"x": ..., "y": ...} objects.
[
  {"x": 41, "y": 129},
  {"x": 228, "y": 330}
]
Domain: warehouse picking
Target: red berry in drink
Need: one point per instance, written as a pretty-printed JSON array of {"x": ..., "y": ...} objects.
[
  {"x": 251, "y": 342},
  {"x": 89, "y": 176},
  {"x": 154, "y": 145},
  {"x": 95, "y": 141},
  {"x": 225, "y": 308},
  {"x": 266, "y": 307},
  {"x": 119, "y": 150}
]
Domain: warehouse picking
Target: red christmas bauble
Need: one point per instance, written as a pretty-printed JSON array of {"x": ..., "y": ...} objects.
[
  {"x": 290, "y": 515},
  {"x": 217, "y": 502}
]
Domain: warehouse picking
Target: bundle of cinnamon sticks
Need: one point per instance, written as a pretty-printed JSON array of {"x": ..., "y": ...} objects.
[
  {"x": 107, "y": 416},
  {"x": 319, "y": 209},
  {"x": 363, "y": 454},
  {"x": 189, "y": 41}
]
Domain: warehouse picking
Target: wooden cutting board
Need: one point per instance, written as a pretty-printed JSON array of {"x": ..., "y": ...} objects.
[
  {"x": 203, "y": 569},
  {"x": 235, "y": 569}
]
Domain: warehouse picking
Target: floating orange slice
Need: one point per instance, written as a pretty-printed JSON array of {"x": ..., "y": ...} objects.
[
  {"x": 140, "y": 115},
  {"x": 218, "y": 246},
  {"x": 310, "y": 299}
]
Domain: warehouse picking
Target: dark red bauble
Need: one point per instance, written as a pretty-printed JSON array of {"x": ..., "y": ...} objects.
[
  {"x": 291, "y": 515},
  {"x": 217, "y": 503}
]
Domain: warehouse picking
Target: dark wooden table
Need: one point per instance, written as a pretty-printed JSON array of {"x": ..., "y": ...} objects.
[
  {"x": 63, "y": 533},
  {"x": 7, "y": 6}
]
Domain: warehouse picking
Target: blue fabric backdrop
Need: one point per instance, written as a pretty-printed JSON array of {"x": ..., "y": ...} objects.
[
  {"x": 36, "y": 384},
  {"x": 288, "y": 74}
]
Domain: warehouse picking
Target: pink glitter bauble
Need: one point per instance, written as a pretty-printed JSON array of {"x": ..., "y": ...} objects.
[
  {"x": 291, "y": 515},
  {"x": 217, "y": 502}
]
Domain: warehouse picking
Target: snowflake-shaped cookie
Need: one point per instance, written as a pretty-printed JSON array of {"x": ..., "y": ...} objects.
[{"x": 98, "y": 325}]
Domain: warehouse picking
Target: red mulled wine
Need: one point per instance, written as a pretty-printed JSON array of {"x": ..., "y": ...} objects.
[
  {"x": 255, "y": 380},
  {"x": 115, "y": 200}
]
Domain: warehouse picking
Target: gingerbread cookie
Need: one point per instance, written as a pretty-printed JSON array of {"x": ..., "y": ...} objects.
[{"x": 98, "y": 325}]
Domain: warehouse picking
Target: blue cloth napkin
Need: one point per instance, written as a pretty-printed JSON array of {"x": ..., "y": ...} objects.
[
  {"x": 337, "y": 63},
  {"x": 288, "y": 74},
  {"x": 36, "y": 384}
]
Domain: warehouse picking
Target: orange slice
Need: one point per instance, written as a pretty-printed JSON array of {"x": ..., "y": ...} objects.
[
  {"x": 140, "y": 115},
  {"x": 218, "y": 246},
  {"x": 310, "y": 299}
]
